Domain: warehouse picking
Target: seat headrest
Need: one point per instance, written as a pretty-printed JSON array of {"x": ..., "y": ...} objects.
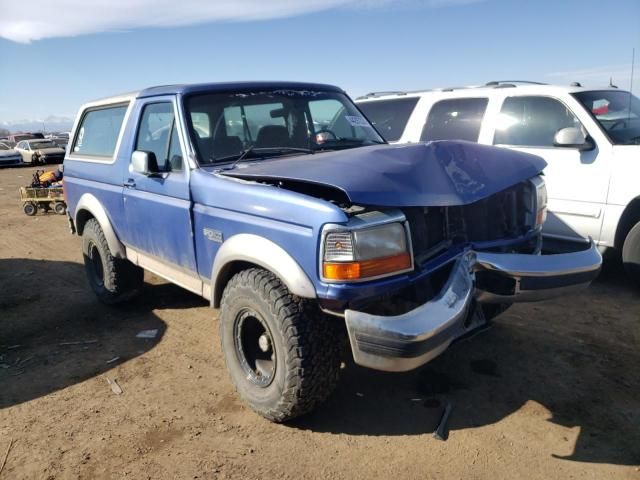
[{"x": 272, "y": 136}]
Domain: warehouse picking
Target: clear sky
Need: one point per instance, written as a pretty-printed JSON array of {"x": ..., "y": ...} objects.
[{"x": 360, "y": 45}]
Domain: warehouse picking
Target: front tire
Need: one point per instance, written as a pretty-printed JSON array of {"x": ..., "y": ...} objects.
[
  {"x": 631, "y": 253},
  {"x": 113, "y": 280},
  {"x": 283, "y": 355}
]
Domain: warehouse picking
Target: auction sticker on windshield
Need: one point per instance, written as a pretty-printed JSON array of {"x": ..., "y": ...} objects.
[{"x": 356, "y": 121}]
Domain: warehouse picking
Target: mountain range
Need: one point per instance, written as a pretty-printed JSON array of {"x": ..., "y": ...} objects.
[{"x": 52, "y": 123}]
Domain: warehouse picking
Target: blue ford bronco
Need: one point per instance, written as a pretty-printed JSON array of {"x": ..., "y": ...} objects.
[{"x": 281, "y": 204}]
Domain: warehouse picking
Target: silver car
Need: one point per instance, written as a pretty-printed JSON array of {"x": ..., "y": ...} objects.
[{"x": 9, "y": 156}]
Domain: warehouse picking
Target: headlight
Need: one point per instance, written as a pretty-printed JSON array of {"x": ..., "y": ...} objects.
[
  {"x": 541, "y": 200},
  {"x": 366, "y": 253}
]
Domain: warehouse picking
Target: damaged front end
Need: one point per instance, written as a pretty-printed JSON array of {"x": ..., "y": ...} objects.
[
  {"x": 439, "y": 238},
  {"x": 463, "y": 264}
]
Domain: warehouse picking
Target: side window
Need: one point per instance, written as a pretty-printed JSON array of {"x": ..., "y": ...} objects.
[
  {"x": 455, "y": 119},
  {"x": 390, "y": 117},
  {"x": 20, "y": 145},
  {"x": 99, "y": 131},
  {"x": 532, "y": 121},
  {"x": 154, "y": 132},
  {"x": 175, "y": 152}
]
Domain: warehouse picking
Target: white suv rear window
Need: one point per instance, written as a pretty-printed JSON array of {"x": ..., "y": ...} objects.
[
  {"x": 390, "y": 117},
  {"x": 455, "y": 119}
]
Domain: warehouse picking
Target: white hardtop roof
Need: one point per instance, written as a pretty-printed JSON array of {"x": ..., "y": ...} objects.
[{"x": 123, "y": 97}]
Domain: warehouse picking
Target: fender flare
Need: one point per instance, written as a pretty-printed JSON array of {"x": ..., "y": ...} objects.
[
  {"x": 92, "y": 205},
  {"x": 245, "y": 247}
]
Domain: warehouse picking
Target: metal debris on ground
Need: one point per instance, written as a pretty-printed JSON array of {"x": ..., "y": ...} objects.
[
  {"x": 114, "y": 359},
  {"x": 115, "y": 388},
  {"x": 6, "y": 455},
  {"x": 442, "y": 432},
  {"x": 82, "y": 342},
  {"x": 153, "y": 333}
]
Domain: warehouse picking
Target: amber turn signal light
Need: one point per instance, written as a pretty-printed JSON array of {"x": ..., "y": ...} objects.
[{"x": 366, "y": 268}]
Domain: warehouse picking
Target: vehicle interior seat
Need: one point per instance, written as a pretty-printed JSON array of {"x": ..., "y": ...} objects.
[{"x": 272, "y": 136}]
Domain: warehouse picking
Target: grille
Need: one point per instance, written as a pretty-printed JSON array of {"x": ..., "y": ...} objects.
[{"x": 504, "y": 215}]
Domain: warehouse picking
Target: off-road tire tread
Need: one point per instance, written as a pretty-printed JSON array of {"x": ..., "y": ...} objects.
[
  {"x": 311, "y": 339},
  {"x": 122, "y": 279}
]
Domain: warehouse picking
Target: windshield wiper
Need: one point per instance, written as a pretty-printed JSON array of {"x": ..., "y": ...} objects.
[
  {"x": 244, "y": 154},
  {"x": 633, "y": 141}
]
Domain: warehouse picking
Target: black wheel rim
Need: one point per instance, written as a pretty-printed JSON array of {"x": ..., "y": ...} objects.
[
  {"x": 95, "y": 261},
  {"x": 254, "y": 348}
]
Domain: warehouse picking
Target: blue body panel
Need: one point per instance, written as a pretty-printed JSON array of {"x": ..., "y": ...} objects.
[
  {"x": 291, "y": 220},
  {"x": 443, "y": 173}
]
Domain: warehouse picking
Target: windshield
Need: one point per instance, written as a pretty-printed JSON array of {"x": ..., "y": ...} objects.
[
  {"x": 617, "y": 112},
  {"x": 43, "y": 144},
  {"x": 230, "y": 126}
]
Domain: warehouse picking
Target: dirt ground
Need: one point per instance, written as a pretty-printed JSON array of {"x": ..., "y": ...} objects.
[{"x": 552, "y": 390}]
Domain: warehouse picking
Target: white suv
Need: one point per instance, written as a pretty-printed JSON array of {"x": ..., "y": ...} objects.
[{"x": 589, "y": 138}]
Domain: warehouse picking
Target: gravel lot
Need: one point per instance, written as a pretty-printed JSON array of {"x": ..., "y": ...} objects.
[{"x": 552, "y": 390}]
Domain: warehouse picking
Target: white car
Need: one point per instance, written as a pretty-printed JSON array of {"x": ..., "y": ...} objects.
[
  {"x": 38, "y": 150},
  {"x": 589, "y": 138}
]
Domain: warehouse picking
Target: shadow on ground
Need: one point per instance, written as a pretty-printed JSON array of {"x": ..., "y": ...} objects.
[
  {"x": 54, "y": 333},
  {"x": 577, "y": 357}
]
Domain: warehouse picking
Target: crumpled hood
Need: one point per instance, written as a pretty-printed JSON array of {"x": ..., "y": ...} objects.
[{"x": 442, "y": 173}]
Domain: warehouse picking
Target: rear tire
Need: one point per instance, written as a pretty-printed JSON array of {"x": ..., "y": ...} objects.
[
  {"x": 113, "y": 280},
  {"x": 282, "y": 353},
  {"x": 30, "y": 209},
  {"x": 631, "y": 253}
]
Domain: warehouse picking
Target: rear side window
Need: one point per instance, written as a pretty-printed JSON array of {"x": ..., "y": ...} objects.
[
  {"x": 99, "y": 131},
  {"x": 455, "y": 119},
  {"x": 390, "y": 117},
  {"x": 532, "y": 121}
]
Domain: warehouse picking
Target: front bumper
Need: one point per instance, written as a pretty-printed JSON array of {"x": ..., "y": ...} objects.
[{"x": 404, "y": 342}]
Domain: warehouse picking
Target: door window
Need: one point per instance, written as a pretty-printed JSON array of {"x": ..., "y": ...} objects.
[
  {"x": 157, "y": 135},
  {"x": 532, "y": 121},
  {"x": 455, "y": 119}
]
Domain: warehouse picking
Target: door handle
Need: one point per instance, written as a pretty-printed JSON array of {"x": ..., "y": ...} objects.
[{"x": 129, "y": 183}]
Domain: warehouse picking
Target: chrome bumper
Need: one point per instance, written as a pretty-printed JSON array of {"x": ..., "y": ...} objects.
[{"x": 406, "y": 341}]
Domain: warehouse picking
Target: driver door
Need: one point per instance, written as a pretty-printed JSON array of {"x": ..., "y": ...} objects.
[{"x": 158, "y": 205}]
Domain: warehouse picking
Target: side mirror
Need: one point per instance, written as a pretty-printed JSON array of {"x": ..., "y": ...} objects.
[
  {"x": 144, "y": 163},
  {"x": 572, "y": 137}
]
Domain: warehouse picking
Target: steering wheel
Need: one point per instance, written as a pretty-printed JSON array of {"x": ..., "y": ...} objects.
[
  {"x": 622, "y": 122},
  {"x": 330, "y": 132}
]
